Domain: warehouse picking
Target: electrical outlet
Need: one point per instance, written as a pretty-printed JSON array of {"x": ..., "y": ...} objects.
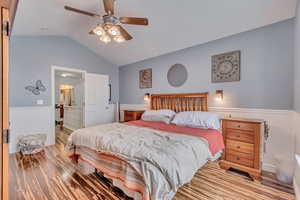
[{"x": 40, "y": 102}]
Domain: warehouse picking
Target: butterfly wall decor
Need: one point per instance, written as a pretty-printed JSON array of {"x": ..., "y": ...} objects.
[{"x": 37, "y": 89}]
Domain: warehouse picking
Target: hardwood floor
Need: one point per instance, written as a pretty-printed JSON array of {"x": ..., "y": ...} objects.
[
  {"x": 61, "y": 135},
  {"x": 51, "y": 176}
]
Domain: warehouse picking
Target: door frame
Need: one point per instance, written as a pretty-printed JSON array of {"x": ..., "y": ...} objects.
[
  {"x": 8, "y": 10},
  {"x": 4, "y": 107},
  {"x": 53, "y": 69}
]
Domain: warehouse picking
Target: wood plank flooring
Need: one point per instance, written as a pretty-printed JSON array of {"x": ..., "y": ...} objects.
[
  {"x": 62, "y": 135},
  {"x": 51, "y": 176}
]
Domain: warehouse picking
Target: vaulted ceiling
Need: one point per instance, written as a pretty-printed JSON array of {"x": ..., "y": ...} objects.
[{"x": 174, "y": 24}]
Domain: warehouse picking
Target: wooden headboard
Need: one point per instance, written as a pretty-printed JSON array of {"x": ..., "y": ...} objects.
[{"x": 180, "y": 102}]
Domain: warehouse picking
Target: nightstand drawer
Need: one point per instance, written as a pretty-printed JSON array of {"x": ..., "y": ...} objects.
[
  {"x": 132, "y": 115},
  {"x": 243, "y": 136},
  {"x": 129, "y": 114},
  {"x": 235, "y": 158},
  {"x": 240, "y": 126},
  {"x": 239, "y": 146},
  {"x": 240, "y": 154}
]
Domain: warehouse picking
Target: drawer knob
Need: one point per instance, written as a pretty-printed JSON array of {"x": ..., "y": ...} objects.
[
  {"x": 238, "y": 158},
  {"x": 238, "y": 147},
  {"x": 239, "y": 126},
  {"x": 238, "y": 136}
]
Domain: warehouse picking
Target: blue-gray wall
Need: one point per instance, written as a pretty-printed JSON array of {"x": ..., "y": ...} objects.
[
  {"x": 266, "y": 70},
  {"x": 32, "y": 58},
  {"x": 297, "y": 61}
]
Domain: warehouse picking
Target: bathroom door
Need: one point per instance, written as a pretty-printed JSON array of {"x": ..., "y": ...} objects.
[{"x": 96, "y": 99}]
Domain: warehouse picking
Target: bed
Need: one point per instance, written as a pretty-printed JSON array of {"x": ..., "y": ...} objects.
[{"x": 150, "y": 160}]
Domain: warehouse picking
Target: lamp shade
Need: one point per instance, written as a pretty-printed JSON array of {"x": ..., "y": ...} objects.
[{"x": 147, "y": 97}]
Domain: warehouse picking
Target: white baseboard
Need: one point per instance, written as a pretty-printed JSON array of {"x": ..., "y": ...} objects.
[
  {"x": 268, "y": 167},
  {"x": 70, "y": 128},
  {"x": 297, "y": 177},
  {"x": 296, "y": 189}
]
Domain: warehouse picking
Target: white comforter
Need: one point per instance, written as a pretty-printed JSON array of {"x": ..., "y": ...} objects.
[{"x": 166, "y": 161}]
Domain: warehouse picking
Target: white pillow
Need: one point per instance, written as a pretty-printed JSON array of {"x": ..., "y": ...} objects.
[
  {"x": 197, "y": 119},
  {"x": 158, "y": 115}
]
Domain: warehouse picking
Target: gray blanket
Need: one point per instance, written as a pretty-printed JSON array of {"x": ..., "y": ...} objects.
[{"x": 165, "y": 160}]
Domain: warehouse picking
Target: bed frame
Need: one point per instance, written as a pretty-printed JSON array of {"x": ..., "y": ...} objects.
[
  {"x": 180, "y": 102},
  {"x": 176, "y": 102}
]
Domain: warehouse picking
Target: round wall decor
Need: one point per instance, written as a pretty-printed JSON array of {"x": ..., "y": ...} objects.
[{"x": 177, "y": 75}]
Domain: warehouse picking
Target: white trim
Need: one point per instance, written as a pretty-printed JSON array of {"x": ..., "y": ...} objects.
[
  {"x": 250, "y": 110},
  {"x": 70, "y": 128},
  {"x": 268, "y": 167},
  {"x": 133, "y": 106},
  {"x": 53, "y": 68},
  {"x": 298, "y": 159},
  {"x": 218, "y": 109},
  {"x": 296, "y": 186},
  {"x": 296, "y": 189}
]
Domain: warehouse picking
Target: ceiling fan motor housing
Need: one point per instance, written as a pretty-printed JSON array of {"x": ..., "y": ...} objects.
[
  {"x": 110, "y": 19},
  {"x": 111, "y": 27}
]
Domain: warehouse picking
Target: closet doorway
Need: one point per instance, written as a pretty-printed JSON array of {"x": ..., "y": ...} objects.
[{"x": 69, "y": 103}]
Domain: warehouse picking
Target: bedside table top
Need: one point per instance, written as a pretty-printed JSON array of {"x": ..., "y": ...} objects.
[{"x": 243, "y": 119}]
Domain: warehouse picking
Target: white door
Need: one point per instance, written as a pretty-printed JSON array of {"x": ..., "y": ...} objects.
[{"x": 96, "y": 99}]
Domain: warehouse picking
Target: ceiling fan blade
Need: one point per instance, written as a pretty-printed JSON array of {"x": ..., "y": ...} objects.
[
  {"x": 124, "y": 33},
  {"x": 109, "y": 6},
  {"x": 91, "y": 32},
  {"x": 80, "y": 11},
  {"x": 134, "y": 21}
]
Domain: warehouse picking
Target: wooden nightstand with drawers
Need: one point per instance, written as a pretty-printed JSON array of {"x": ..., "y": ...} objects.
[
  {"x": 242, "y": 138},
  {"x": 132, "y": 115}
]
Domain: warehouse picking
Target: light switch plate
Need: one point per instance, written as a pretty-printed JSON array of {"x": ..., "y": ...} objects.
[{"x": 40, "y": 102}]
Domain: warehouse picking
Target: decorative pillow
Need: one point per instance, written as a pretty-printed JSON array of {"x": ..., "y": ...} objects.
[
  {"x": 197, "y": 119},
  {"x": 158, "y": 116}
]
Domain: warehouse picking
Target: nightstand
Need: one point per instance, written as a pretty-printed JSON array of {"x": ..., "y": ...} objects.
[
  {"x": 132, "y": 115},
  {"x": 242, "y": 138}
]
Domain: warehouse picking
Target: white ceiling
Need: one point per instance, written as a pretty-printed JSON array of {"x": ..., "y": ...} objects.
[{"x": 174, "y": 24}]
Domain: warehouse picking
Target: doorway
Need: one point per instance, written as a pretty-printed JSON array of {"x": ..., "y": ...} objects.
[{"x": 68, "y": 102}]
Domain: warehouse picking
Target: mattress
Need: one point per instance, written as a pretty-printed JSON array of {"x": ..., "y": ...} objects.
[
  {"x": 132, "y": 174},
  {"x": 123, "y": 175}
]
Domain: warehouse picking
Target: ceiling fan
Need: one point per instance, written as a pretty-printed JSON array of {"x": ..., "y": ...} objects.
[{"x": 111, "y": 29}]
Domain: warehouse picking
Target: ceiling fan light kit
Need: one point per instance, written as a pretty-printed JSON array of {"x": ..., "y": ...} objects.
[
  {"x": 114, "y": 31},
  {"x": 111, "y": 29},
  {"x": 105, "y": 38},
  {"x": 119, "y": 39},
  {"x": 108, "y": 32},
  {"x": 98, "y": 31}
]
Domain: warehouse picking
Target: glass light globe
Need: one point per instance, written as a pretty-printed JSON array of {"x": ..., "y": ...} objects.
[
  {"x": 119, "y": 39},
  {"x": 105, "y": 38},
  {"x": 98, "y": 31},
  {"x": 114, "y": 31}
]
